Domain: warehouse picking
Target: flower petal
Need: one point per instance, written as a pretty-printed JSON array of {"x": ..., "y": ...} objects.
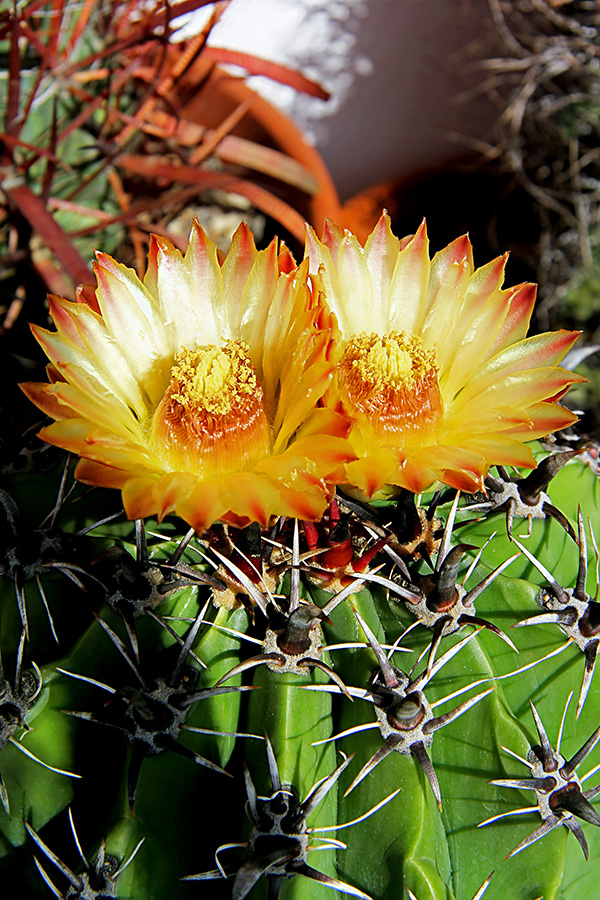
[
  {"x": 541, "y": 350},
  {"x": 515, "y": 389},
  {"x": 520, "y": 303},
  {"x": 94, "y": 473},
  {"x": 370, "y": 473},
  {"x": 92, "y": 442},
  {"x": 449, "y": 276},
  {"x": 381, "y": 254},
  {"x": 408, "y": 290},
  {"x": 482, "y": 315},
  {"x": 460, "y": 467},
  {"x": 132, "y": 323},
  {"x": 62, "y": 400},
  {"x": 101, "y": 361}
]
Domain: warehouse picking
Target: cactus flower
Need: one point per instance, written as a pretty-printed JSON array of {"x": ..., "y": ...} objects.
[
  {"x": 436, "y": 372},
  {"x": 195, "y": 391}
]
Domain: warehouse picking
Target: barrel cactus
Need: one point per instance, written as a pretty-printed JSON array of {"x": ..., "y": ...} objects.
[{"x": 323, "y": 578}]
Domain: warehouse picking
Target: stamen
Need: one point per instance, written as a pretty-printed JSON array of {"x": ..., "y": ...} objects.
[
  {"x": 212, "y": 417},
  {"x": 392, "y": 380}
]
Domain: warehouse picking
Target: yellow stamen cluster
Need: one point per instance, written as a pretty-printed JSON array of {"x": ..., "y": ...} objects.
[
  {"x": 213, "y": 378},
  {"x": 212, "y": 416},
  {"x": 384, "y": 359},
  {"x": 392, "y": 380}
]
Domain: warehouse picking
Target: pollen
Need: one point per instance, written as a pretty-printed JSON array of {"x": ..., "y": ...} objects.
[
  {"x": 392, "y": 380},
  {"x": 211, "y": 379},
  {"x": 212, "y": 418}
]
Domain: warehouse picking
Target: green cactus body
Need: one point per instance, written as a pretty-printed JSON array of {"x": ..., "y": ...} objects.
[{"x": 185, "y": 812}]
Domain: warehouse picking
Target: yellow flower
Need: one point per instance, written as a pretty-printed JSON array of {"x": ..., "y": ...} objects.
[
  {"x": 437, "y": 373},
  {"x": 195, "y": 391}
]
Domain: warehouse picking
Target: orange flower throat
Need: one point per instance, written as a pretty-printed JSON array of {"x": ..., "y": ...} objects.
[
  {"x": 212, "y": 419},
  {"x": 392, "y": 380}
]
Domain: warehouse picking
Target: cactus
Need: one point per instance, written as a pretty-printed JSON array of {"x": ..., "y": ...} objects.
[{"x": 324, "y": 633}]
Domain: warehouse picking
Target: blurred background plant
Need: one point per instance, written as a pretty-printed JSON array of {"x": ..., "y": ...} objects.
[
  {"x": 545, "y": 147},
  {"x": 112, "y": 130}
]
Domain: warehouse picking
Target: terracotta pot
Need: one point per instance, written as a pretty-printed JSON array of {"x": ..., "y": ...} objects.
[{"x": 220, "y": 95}]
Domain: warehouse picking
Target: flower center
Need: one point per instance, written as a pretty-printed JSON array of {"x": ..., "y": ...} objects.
[
  {"x": 212, "y": 419},
  {"x": 392, "y": 380}
]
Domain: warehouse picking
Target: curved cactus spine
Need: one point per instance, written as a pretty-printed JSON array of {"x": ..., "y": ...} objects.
[
  {"x": 98, "y": 880},
  {"x": 556, "y": 786},
  {"x": 572, "y": 609},
  {"x": 279, "y": 841}
]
